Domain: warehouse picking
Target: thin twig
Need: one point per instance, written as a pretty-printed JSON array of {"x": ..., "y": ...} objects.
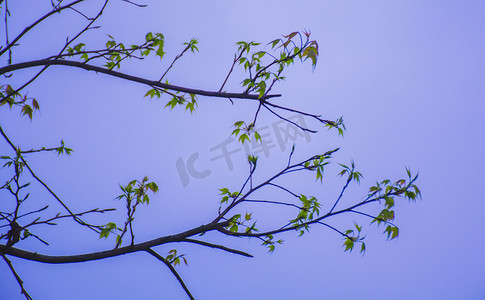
[
  {"x": 136, "y": 4},
  {"x": 331, "y": 227},
  {"x": 33, "y": 212},
  {"x": 15, "y": 40},
  {"x": 232, "y": 67},
  {"x": 173, "y": 62},
  {"x": 218, "y": 247},
  {"x": 78, "y": 220},
  {"x": 86, "y": 17},
  {"x": 7, "y": 13},
  {"x": 341, "y": 193},
  {"x": 38, "y": 150},
  {"x": 271, "y": 202},
  {"x": 172, "y": 269},
  {"x": 46, "y": 66},
  {"x": 287, "y": 120},
  {"x": 372, "y": 217},
  {"x": 284, "y": 189},
  {"x": 17, "y": 277},
  {"x": 317, "y": 117}
]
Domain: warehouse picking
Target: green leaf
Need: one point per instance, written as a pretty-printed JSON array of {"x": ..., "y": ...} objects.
[
  {"x": 274, "y": 43},
  {"x": 225, "y": 199},
  {"x": 153, "y": 187},
  {"x": 389, "y": 202},
  {"x": 234, "y": 227},
  {"x": 257, "y": 136},
  {"x": 252, "y": 159},
  {"x": 107, "y": 230},
  {"x": 392, "y": 232},
  {"x": 27, "y": 110},
  {"x": 110, "y": 44},
  {"x": 359, "y": 228},
  {"x": 192, "y": 45},
  {"x": 238, "y": 124},
  {"x": 35, "y": 104},
  {"x": 291, "y": 35},
  {"x": 244, "y": 137},
  {"x": 262, "y": 88},
  {"x": 349, "y": 244},
  {"x": 152, "y": 93},
  {"x": 110, "y": 65}
]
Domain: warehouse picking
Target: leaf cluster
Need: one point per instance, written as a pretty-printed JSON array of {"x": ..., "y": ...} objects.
[
  {"x": 269, "y": 243},
  {"x": 134, "y": 193},
  {"x": 263, "y": 74},
  {"x": 309, "y": 208},
  {"x": 115, "y": 52},
  {"x": 353, "y": 237},
  {"x": 244, "y": 131},
  {"x": 12, "y": 97},
  {"x": 174, "y": 259},
  {"x": 263, "y": 67}
]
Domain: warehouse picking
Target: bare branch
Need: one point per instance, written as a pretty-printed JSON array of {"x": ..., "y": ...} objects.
[
  {"x": 341, "y": 193},
  {"x": 7, "y": 14},
  {"x": 136, "y": 4},
  {"x": 317, "y": 117},
  {"x": 236, "y": 58},
  {"x": 15, "y": 40},
  {"x": 38, "y": 150},
  {"x": 284, "y": 189},
  {"x": 172, "y": 269},
  {"x": 58, "y": 216},
  {"x": 17, "y": 277},
  {"x": 289, "y": 121},
  {"x": 77, "y": 219},
  {"x": 217, "y": 247},
  {"x": 173, "y": 62},
  {"x": 271, "y": 202},
  {"x": 333, "y": 228}
]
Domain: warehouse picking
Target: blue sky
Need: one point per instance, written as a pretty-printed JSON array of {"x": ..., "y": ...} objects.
[{"x": 407, "y": 76}]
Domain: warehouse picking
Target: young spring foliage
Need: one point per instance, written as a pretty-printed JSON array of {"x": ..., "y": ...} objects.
[
  {"x": 239, "y": 207},
  {"x": 134, "y": 193}
]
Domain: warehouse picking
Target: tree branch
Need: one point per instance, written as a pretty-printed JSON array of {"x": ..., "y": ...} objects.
[
  {"x": 17, "y": 277},
  {"x": 285, "y": 119},
  {"x": 36, "y": 23},
  {"x": 218, "y": 247},
  {"x": 34, "y": 256},
  {"x": 271, "y": 202},
  {"x": 78, "y": 220},
  {"x": 172, "y": 269},
  {"x": 48, "y": 62}
]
